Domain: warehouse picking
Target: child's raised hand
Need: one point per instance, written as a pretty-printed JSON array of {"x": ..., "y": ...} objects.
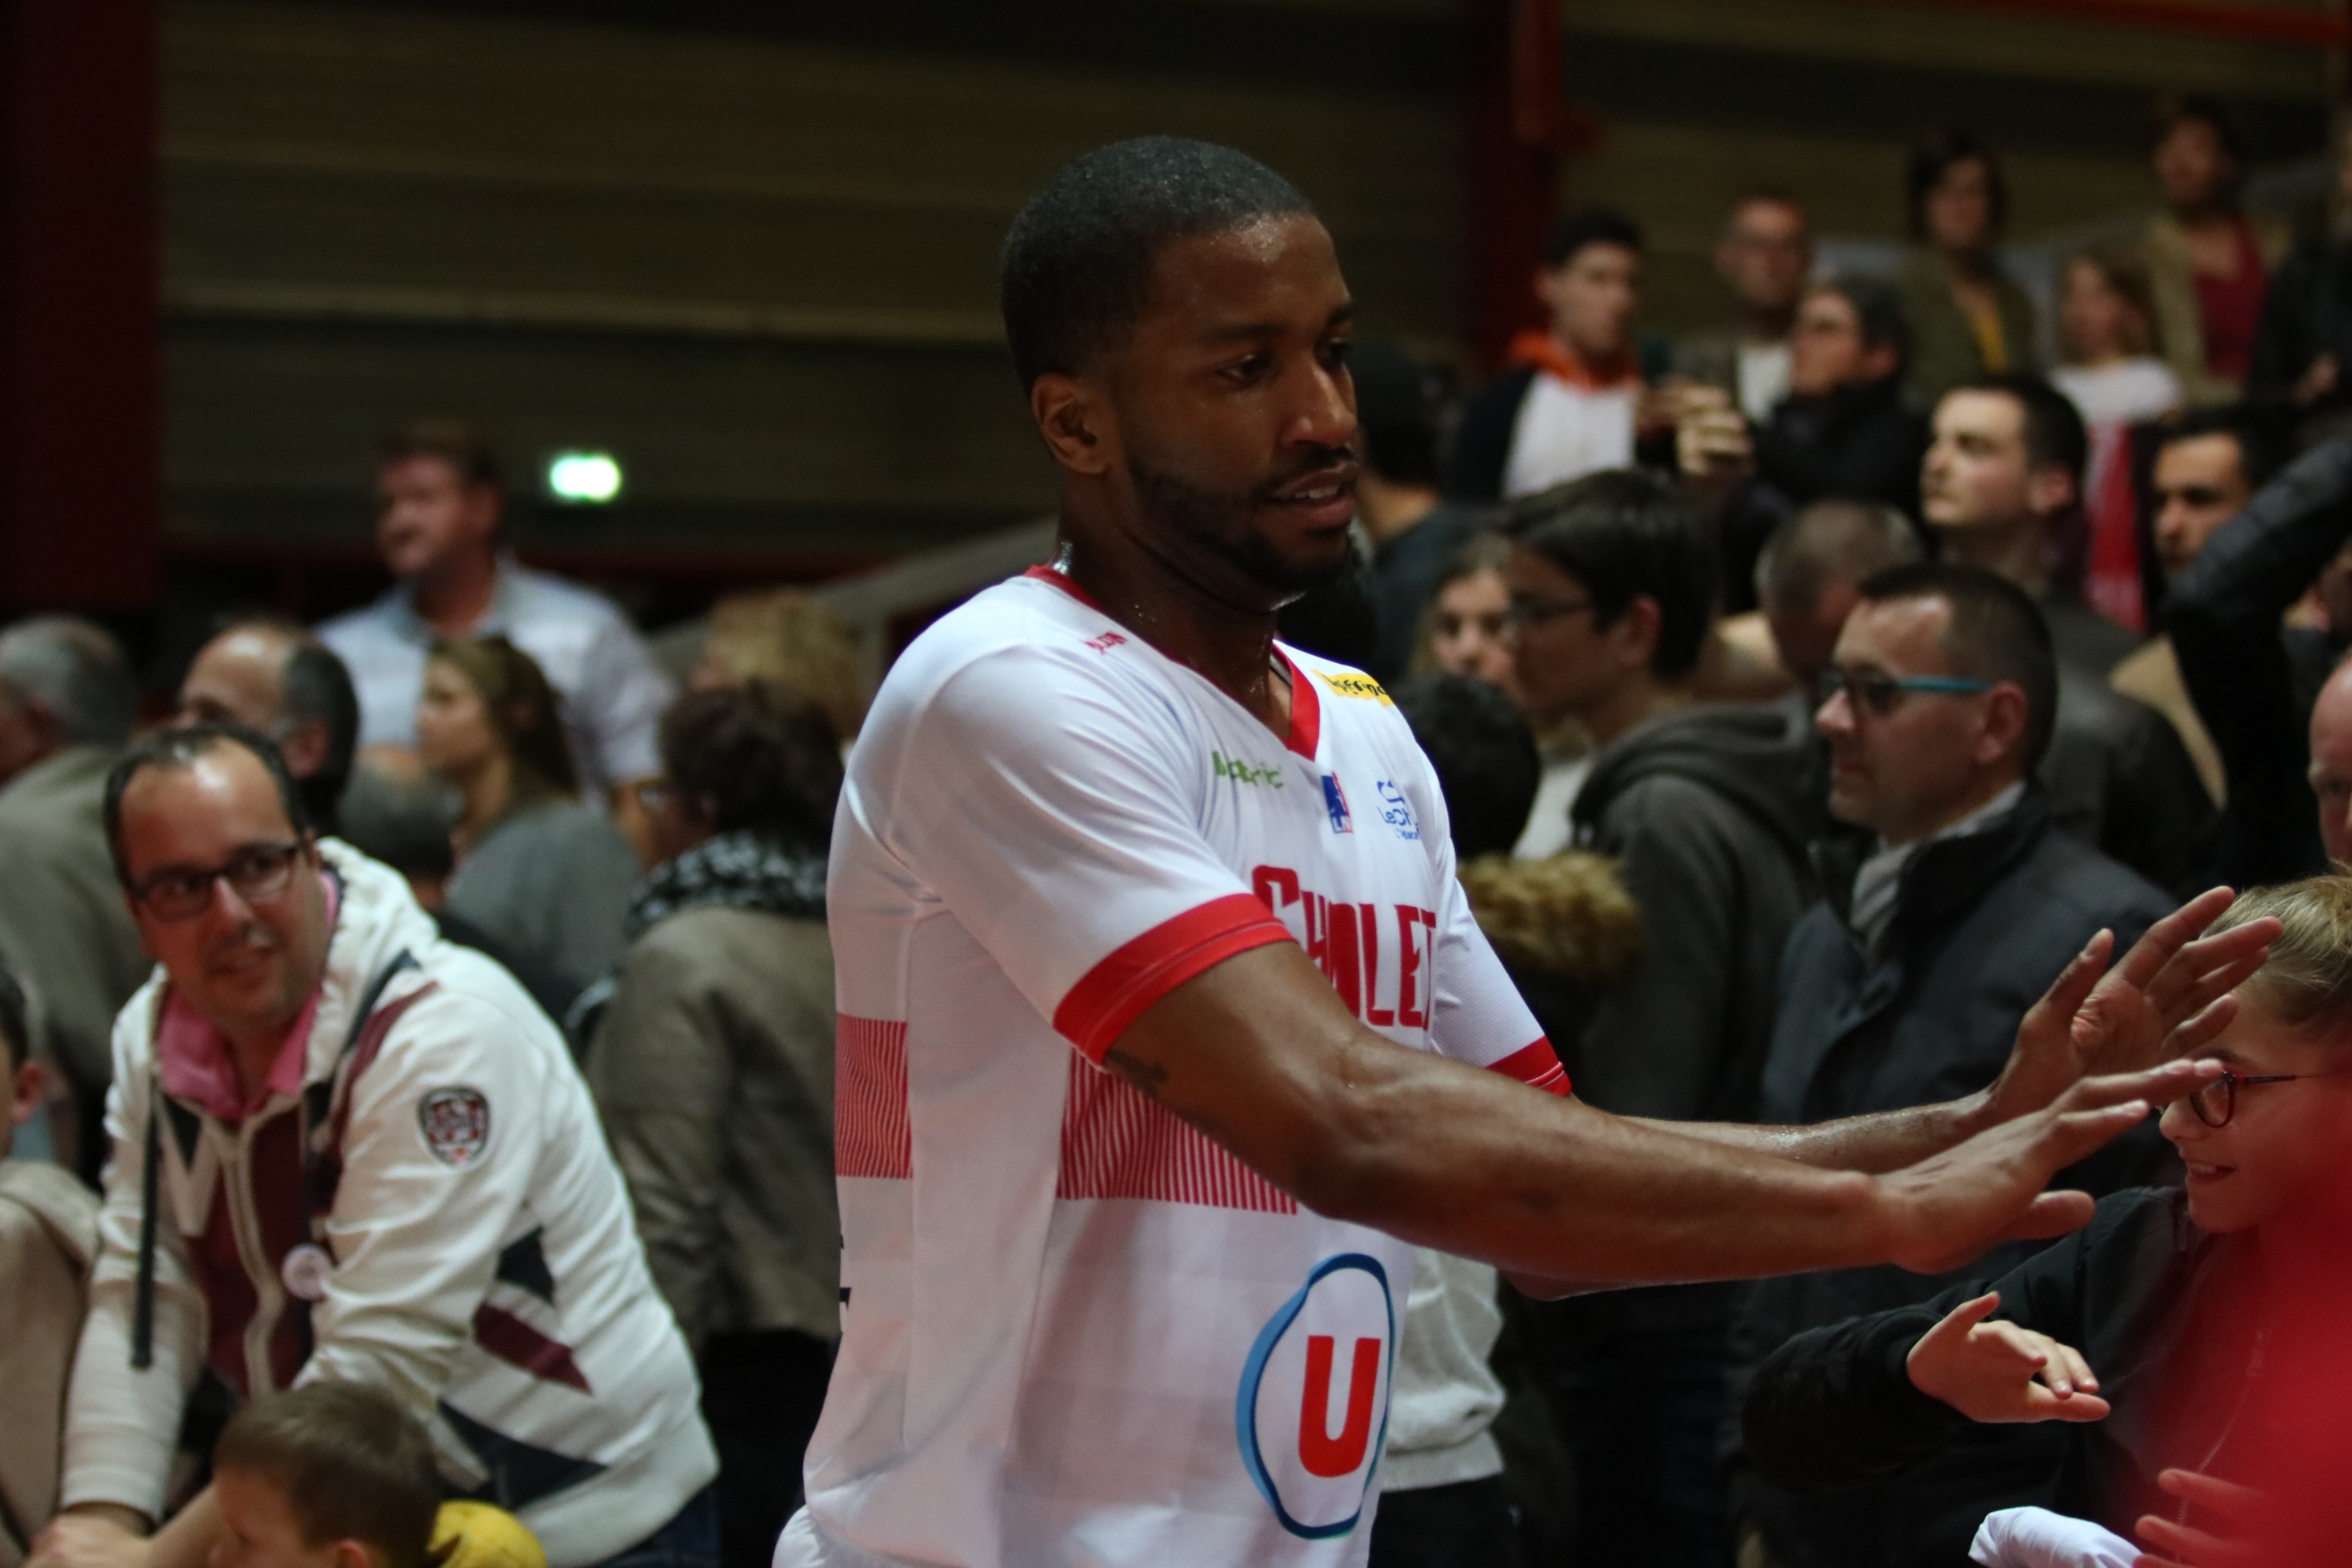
[{"x": 1997, "y": 1371}]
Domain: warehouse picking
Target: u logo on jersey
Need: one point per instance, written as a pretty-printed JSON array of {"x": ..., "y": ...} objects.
[{"x": 1313, "y": 1408}]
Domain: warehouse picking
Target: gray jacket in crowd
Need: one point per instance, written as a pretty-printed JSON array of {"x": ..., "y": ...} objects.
[
  {"x": 63, "y": 931},
  {"x": 1982, "y": 924},
  {"x": 551, "y": 881},
  {"x": 713, "y": 1068}
]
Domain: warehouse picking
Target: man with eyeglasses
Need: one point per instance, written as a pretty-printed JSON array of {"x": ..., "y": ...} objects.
[
  {"x": 1904, "y": 986},
  {"x": 345, "y": 1149}
]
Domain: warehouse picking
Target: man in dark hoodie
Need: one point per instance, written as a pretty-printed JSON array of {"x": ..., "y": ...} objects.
[
  {"x": 1936, "y": 934},
  {"x": 1612, "y": 588}
]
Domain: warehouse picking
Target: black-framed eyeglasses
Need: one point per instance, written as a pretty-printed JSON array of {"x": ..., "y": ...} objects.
[
  {"x": 1529, "y": 611},
  {"x": 1875, "y": 692},
  {"x": 256, "y": 872},
  {"x": 2215, "y": 1103}
]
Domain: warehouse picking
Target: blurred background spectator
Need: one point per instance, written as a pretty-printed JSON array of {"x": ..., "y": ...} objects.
[
  {"x": 66, "y": 703},
  {"x": 712, "y": 1068},
  {"x": 2109, "y": 371},
  {"x": 1968, "y": 318},
  {"x": 2209, "y": 259},
  {"x": 539, "y": 870},
  {"x": 785, "y": 634},
  {"x": 1764, "y": 258},
  {"x": 275, "y": 677},
  {"x": 1415, "y": 530}
]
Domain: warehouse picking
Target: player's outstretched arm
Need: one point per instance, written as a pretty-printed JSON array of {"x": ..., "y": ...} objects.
[
  {"x": 1259, "y": 1053},
  {"x": 2167, "y": 996}
]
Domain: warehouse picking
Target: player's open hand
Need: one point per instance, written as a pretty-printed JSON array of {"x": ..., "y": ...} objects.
[
  {"x": 1999, "y": 1372},
  {"x": 1945, "y": 1211},
  {"x": 2168, "y": 996}
]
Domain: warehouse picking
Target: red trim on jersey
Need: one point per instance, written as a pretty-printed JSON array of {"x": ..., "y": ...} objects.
[
  {"x": 871, "y": 1135},
  {"x": 1118, "y": 1144},
  {"x": 1306, "y": 711},
  {"x": 1115, "y": 992},
  {"x": 517, "y": 1343},
  {"x": 1061, "y": 580},
  {"x": 1537, "y": 1066}
]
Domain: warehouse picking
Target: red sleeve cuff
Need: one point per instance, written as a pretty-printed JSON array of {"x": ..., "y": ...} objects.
[
  {"x": 1537, "y": 1066},
  {"x": 1115, "y": 992}
]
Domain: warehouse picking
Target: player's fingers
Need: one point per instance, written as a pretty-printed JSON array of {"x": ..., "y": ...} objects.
[
  {"x": 2073, "y": 1134},
  {"x": 2203, "y": 1028},
  {"x": 2198, "y": 963},
  {"x": 2073, "y": 987},
  {"x": 2217, "y": 982},
  {"x": 2160, "y": 1084},
  {"x": 2182, "y": 1544},
  {"x": 2168, "y": 937}
]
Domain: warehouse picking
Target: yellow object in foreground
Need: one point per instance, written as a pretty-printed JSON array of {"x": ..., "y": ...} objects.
[{"x": 476, "y": 1535}]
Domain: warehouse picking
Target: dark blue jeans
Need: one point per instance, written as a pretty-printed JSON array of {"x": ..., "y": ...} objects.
[{"x": 690, "y": 1540}]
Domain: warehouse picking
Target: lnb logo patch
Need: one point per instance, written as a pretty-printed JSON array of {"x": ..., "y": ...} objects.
[
  {"x": 1313, "y": 1409},
  {"x": 1335, "y": 802}
]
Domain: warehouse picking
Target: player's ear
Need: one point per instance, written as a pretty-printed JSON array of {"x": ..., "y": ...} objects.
[{"x": 1075, "y": 419}]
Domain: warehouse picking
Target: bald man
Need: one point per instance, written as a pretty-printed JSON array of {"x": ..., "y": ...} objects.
[
  {"x": 280, "y": 679},
  {"x": 2331, "y": 763}
]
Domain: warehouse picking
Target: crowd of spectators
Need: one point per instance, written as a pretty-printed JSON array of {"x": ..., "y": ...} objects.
[{"x": 441, "y": 1001}]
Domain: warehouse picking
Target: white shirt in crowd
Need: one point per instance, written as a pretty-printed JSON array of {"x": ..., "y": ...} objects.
[
  {"x": 1565, "y": 432},
  {"x": 2112, "y": 398},
  {"x": 1763, "y": 378},
  {"x": 612, "y": 693},
  {"x": 1074, "y": 1329}
]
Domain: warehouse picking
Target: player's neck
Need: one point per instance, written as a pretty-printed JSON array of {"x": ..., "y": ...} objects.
[{"x": 1231, "y": 645}]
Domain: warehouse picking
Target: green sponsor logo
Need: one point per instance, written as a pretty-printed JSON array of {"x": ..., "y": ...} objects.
[{"x": 1225, "y": 767}]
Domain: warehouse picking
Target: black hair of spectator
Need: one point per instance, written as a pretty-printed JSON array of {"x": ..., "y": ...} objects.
[
  {"x": 402, "y": 822},
  {"x": 1483, "y": 755},
  {"x": 1337, "y": 620},
  {"x": 2175, "y": 109},
  {"x": 755, "y": 758},
  {"x": 1932, "y": 156},
  {"x": 1623, "y": 534},
  {"x": 464, "y": 447},
  {"x": 2055, "y": 433},
  {"x": 1589, "y": 225},
  {"x": 1833, "y": 539},
  {"x": 186, "y": 746},
  {"x": 1397, "y": 399},
  {"x": 1878, "y": 310},
  {"x": 351, "y": 1462},
  {"x": 1997, "y": 633},
  {"x": 314, "y": 685},
  {"x": 16, "y": 1022},
  {"x": 1077, "y": 267},
  {"x": 2263, "y": 441}
]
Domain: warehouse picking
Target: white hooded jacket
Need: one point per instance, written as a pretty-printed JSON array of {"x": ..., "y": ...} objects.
[{"x": 479, "y": 1256}]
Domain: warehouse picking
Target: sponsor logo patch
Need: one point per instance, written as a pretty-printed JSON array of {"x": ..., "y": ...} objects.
[
  {"x": 1395, "y": 810},
  {"x": 1225, "y": 767},
  {"x": 455, "y": 1122},
  {"x": 1312, "y": 1411},
  {"x": 1362, "y": 687},
  {"x": 1335, "y": 802}
]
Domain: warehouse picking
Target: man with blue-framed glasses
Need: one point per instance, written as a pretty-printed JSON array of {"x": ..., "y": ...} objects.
[{"x": 1939, "y": 927}]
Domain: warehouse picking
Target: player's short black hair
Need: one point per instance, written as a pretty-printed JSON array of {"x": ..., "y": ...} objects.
[
  {"x": 1997, "y": 633},
  {"x": 2055, "y": 433},
  {"x": 1589, "y": 225},
  {"x": 1483, "y": 755},
  {"x": 1625, "y": 534},
  {"x": 1076, "y": 270}
]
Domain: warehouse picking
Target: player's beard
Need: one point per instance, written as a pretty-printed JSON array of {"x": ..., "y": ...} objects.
[{"x": 1218, "y": 521}]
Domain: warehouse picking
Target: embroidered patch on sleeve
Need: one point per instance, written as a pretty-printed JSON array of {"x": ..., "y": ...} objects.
[{"x": 455, "y": 1122}]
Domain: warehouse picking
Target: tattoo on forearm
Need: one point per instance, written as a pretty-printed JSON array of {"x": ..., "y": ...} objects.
[{"x": 1145, "y": 1076}]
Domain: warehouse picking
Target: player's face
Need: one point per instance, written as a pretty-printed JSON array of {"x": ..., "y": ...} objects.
[
  {"x": 1235, "y": 412},
  {"x": 258, "y": 1530},
  {"x": 2282, "y": 1154}
]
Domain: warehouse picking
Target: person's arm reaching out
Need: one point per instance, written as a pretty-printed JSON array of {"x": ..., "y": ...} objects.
[{"x": 1259, "y": 1053}]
